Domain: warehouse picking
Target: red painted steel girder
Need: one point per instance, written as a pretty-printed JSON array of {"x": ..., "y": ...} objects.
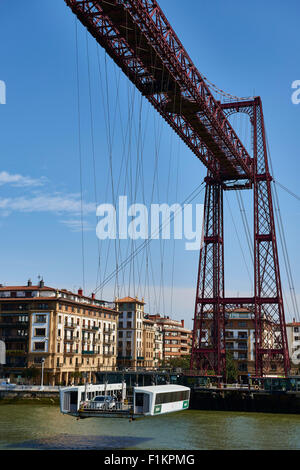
[{"x": 140, "y": 40}]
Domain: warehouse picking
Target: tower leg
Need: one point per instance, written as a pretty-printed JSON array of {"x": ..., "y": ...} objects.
[
  {"x": 271, "y": 350},
  {"x": 208, "y": 351}
]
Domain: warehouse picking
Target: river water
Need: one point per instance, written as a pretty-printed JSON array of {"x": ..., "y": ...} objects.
[{"x": 26, "y": 426}]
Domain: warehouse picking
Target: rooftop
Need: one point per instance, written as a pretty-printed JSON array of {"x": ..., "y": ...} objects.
[
  {"x": 130, "y": 300},
  {"x": 42, "y": 292}
]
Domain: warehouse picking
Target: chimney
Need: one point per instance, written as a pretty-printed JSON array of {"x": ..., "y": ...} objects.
[
  {"x": 93, "y": 295},
  {"x": 182, "y": 323},
  {"x": 42, "y": 284},
  {"x": 29, "y": 283},
  {"x": 80, "y": 291}
]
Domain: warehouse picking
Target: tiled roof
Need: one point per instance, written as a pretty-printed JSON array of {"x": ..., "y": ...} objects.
[
  {"x": 17, "y": 288},
  {"x": 129, "y": 299}
]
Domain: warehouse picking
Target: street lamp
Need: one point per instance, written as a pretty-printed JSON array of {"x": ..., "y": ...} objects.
[{"x": 42, "y": 380}]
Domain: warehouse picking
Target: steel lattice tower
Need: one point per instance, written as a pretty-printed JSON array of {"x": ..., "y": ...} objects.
[{"x": 208, "y": 352}]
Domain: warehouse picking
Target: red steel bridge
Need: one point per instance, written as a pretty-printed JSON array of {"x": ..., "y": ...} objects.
[{"x": 141, "y": 41}]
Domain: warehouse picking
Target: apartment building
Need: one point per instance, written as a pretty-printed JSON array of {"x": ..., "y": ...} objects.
[
  {"x": 73, "y": 335},
  {"x": 148, "y": 344},
  {"x": 140, "y": 340},
  {"x": 176, "y": 339},
  {"x": 293, "y": 339},
  {"x": 240, "y": 340},
  {"x": 158, "y": 344},
  {"x": 130, "y": 332}
]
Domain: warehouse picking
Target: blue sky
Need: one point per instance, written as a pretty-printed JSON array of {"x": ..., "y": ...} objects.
[{"x": 245, "y": 48}]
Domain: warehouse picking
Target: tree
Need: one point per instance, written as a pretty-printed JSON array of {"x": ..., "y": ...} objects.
[
  {"x": 182, "y": 362},
  {"x": 231, "y": 369},
  {"x": 31, "y": 373}
]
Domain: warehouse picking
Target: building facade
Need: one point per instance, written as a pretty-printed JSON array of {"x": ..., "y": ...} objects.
[
  {"x": 130, "y": 332},
  {"x": 293, "y": 338},
  {"x": 72, "y": 335},
  {"x": 176, "y": 339},
  {"x": 240, "y": 340}
]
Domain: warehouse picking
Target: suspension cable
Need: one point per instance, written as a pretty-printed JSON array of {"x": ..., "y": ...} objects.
[
  {"x": 283, "y": 242},
  {"x": 189, "y": 199}
]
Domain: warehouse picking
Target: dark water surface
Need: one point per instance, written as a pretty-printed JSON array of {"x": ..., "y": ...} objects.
[{"x": 44, "y": 427}]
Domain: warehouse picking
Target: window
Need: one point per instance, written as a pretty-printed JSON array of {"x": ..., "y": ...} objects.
[
  {"x": 243, "y": 335},
  {"x": 37, "y": 360},
  {"x": 242, "y": 356},
  {"x": 40, "y": 332},
  {"x": 39, "y": 346},
  {"x": 43, "y": 306},
  {"x": 171, "y": 397},
  {"x": 40, "y": 319}
]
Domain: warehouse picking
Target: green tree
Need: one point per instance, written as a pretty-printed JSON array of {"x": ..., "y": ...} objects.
[
  {"x": 231, "y": 369},
  {"x": 182, "y": 362},
  {"x": 31, "y": 373}
]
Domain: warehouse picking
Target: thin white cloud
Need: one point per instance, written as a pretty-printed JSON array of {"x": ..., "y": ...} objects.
[
  {"x": 20, "y": 180},
  {"x": 58, "y": 204},
  {"x": 77, "y": 226}
]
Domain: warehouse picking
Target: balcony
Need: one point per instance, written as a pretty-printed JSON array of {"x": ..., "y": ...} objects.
[
  {"x": 69, "y": 340},
  {"x": 70, "y": 326},
  {"x": 68, "y": 353},
  {"x": 14, "y": 338},
  {"x": 108, "y": 341},
  {"x": 16, "y": 352},
  {"x": 89, "y": 353},
  {"x": 90, "y": 328},
  {"x": 14, "y": 324},
  {"x": 108, "y": 354}
]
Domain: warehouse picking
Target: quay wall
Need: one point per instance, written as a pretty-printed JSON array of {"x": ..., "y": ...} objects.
[
  {"x": 29, "y": 396},
  {"x": 243, "y": 401}
]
